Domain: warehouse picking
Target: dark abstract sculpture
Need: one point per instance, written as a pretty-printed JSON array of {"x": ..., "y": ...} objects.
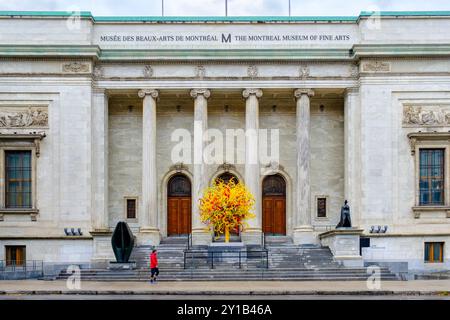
[
  {"x": 122, "y": 242},
  {"x": 345, "y": 221}
]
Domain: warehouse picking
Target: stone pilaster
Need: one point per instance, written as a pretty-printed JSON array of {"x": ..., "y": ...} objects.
[
  {"x": 100, "y": 230},
  {"x": 100, "y": 161},
  {"x": 201, "y": 235},
  {"x": 303, "y": 230},
  {"x": 352, "y": 175},
  {"x": 149, "y": 232},
  {"x": 252, "y": 234}
]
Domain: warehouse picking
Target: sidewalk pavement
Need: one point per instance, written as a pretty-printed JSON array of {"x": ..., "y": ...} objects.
[{"x": 58, "y": 287}]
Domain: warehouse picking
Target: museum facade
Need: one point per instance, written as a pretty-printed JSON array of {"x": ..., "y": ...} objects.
[{"x": 94, "y": 112}]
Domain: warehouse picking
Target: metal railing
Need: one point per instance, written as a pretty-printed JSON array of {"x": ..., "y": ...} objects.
[
  {"x": 26, "y": 268},
  {"x": 263, "y": 240},
  {"x": 189, "y": 242},
  {"x": 249, "y": 258}
]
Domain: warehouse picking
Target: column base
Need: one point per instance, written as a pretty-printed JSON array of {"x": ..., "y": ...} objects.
[
  {"x": 201, "y": 238},
  {"x": 252, "y": 236},
  {"x": 148, "y": 237},
  {"x": 305, "y": 235},
  {"x": 102, "y": 251}
]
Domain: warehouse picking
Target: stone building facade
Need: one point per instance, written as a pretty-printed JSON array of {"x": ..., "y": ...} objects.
[{"x": 89, "y": 107}]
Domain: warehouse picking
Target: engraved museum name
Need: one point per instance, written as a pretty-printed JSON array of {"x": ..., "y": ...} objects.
[{"x": 225, "y": 38}]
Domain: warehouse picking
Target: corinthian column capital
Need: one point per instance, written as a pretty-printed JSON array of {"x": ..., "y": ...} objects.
[
  {"x": 151, "y": 92},
  {"x": 299, "y": 92},
  {"x": 252, "y": 91},
  {"x": 200, "y": 92}
]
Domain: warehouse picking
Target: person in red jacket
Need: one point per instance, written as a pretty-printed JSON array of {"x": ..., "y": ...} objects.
[{"x": 153, "y": 266}]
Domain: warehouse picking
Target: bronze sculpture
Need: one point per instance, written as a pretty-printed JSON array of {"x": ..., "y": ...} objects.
[
  {"x": 122, "y": 242},
  {"x": 345, "y": 221}
]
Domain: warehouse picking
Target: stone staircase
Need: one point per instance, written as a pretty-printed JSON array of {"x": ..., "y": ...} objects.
[
  {"x": 283, "y": 254},
  {"x": 170, "y": 253},
  {"x": 286, "y": 261}
]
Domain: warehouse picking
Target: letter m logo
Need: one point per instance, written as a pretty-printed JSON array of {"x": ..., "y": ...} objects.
[{"x": 226, "y": 38}]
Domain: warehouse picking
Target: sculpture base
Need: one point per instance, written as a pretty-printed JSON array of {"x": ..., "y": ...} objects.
[
  {"x": 102, "y": 250},
  {"x": 344, "y": 244},
  {"x": 227, "y": 254},
  {"x": 131, "y": 265}
]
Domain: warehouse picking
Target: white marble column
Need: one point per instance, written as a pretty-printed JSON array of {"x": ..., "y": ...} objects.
[
  {"x": 149, "y": 232},
  {"x": 100, "y": 231},
  {"x": 303, "y": 231},
  {"x": 200, "y": 233},
  {"x": 352, "y": 127},
  {"x": 252, "y": 234}
]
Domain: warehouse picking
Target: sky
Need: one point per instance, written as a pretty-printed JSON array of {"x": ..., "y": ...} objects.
[{"x": 217, "y": 7}]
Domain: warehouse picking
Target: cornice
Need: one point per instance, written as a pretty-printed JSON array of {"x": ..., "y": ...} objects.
[
  {"x": 227, "y": 55},
  {"x": 400, "y": 50},
  {"x": 93, "y": 52},
  {"x": 48, "y": 51}
]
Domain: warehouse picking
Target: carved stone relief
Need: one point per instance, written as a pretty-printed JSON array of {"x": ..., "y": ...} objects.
[
  {"x": 376, "y": 66},
  {"x": 148, "y": 71},
  {"x": 419, "y": 116},
  {"x": 200, "y": 72},
  {"x": 252, "y": 71},
  {"x": 23, "y": 118},
  {"x": 304, "y": 72},
  {"x": 76, "y": 67}
]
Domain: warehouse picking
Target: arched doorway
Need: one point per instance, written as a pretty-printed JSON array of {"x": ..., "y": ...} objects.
[
  {"x": 178, "y": 205},
  {"x": 274, "y": 205},
  {"x": 226, "y": 177}
]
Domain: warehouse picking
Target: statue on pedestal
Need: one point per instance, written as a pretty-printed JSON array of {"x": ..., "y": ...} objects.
[{"x": 345, "y": 221}]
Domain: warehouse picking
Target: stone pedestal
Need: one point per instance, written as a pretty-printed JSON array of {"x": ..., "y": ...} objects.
[
  {"x": 344, "y": 244},
  {"x": 225, "y": 254},
  {"x": 102, "y": 248}
]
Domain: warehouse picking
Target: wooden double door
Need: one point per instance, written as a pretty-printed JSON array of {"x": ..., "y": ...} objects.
[
  {"x": 179, "y": 206},
  {"x": 274, "y": 205}
]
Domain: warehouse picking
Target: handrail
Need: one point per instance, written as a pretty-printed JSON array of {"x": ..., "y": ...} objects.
[
  {"x": 189, "y": 244},
  {"x": 263, "y": 240}
]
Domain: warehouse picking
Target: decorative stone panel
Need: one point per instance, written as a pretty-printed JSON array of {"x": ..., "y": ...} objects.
[
  {"x": 426, "y": 115},
  {"x": 76, "y": 67},
  {"x": 17, "y": 117}
]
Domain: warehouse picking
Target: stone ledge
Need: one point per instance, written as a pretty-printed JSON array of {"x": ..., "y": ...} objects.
[
  {"x": 427, "y": 210},
  {"x": 344, "y": 231},
  {"x": 30, "y": 211}
]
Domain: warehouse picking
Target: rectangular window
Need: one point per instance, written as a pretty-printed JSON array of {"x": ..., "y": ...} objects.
[
  {"x": 15, "y": 255},
  {"x": 321, "y": 207},
  {"x": 434, "y": 252},
  {"x": 431, "y": 181},
  {"x": 18, "y": 179},
  {"x": 131, "y": 208}
]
